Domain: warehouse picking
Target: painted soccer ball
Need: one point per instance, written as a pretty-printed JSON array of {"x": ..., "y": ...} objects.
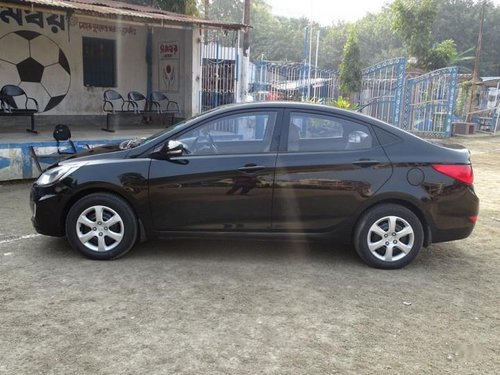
[{"x": 35, "y": 63}]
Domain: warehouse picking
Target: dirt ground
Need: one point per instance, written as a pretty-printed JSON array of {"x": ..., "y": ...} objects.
[{"x": 251, "y": 307}]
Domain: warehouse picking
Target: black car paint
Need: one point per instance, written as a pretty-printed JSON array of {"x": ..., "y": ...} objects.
[{"x": 170, "y": 199}]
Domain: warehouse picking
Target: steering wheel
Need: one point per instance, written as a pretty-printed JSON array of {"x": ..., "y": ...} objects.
[{"x": 208, "y": 147}]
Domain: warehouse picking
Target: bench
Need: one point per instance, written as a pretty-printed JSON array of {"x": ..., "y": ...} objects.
[
  {"x": 161, "y": 104},
  {"x": 9, "y": 105},
  {"x": 113, "y": 104},
  {"x": 137, "y": 104}
]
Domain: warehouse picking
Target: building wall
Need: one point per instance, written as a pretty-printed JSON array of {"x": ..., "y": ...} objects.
[{"x": 55, "y": 77}]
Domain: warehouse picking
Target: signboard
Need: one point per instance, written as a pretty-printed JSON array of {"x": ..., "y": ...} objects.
[
  {"x": 169, "y": 54},
  {"x": 169, "y": 50}
]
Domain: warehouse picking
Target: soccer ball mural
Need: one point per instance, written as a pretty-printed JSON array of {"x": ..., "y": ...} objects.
[{"x": 35, "y": 63}]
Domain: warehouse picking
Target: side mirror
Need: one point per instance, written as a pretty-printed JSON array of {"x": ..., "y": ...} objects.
[
  {"x": 168, "y": 150},
  {"x": 173, "y": 148}
]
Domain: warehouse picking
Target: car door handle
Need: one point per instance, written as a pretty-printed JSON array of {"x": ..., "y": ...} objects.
[
  {"x": 251, "y": 168},
  {"x": 364, "y": 163}
]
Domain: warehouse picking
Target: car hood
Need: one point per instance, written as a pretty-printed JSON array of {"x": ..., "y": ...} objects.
[{"x": 110, "y": 151}]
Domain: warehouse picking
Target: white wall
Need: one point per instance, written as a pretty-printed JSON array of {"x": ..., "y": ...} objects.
[{"x": 131, "y": 70}]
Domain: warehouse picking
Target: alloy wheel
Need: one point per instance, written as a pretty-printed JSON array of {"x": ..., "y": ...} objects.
[
  {"x": 100, "y": 228},
  {"x": 390, "y": 238}
]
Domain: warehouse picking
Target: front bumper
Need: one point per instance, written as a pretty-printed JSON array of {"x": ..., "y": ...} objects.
[{"x": 47, "y": 210}]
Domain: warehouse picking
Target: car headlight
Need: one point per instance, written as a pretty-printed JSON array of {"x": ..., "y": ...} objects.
[{"x": 55, "y": 174}]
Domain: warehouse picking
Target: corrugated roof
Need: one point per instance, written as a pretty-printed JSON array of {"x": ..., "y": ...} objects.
[{"x": 124, "y": 11}]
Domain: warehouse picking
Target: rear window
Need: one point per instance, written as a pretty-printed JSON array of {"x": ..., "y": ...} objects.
[{"x": 384, "y": 137}]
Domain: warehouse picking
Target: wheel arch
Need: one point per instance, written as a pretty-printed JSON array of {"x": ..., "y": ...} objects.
[
  {"x": 96, "y": 190},
  {"x": 402, "y": 202}
]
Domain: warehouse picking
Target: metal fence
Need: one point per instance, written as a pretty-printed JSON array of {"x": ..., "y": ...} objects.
[
  {"x": 292, "y": 81},
  {"x": 423, "y": 105},
  {"x": 382, "y": 90},
  {"x": 430, "y": 101},
  {"x": 219, "y": 54}
]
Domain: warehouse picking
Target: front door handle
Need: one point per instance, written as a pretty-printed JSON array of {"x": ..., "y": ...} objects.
[
  {"x": 251, "y": 168},
  {"x": 364, "y": 163}
]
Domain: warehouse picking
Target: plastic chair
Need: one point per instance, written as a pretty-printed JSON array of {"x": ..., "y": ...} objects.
[{"x": 62, "y": 134}]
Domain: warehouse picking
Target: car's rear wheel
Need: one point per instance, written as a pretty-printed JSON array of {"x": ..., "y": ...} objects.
[
  {"x": 101, "y": 226},
  {"x": 388, "y": 236}
]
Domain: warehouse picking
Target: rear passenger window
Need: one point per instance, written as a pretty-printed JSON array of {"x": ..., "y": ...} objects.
[{"x": 309, "y": 132}]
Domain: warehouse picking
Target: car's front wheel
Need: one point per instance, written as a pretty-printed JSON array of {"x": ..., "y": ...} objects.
[
  {"x": 388, "y": 236},
  {"x": 101, "y": 226}
]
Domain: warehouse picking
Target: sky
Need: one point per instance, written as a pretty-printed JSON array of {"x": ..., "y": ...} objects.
[{"x": 328, "y": 11}]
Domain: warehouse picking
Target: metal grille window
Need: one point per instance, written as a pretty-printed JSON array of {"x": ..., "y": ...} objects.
[{"x": 99, "y": 62}]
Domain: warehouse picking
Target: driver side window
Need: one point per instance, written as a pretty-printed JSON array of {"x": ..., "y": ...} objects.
[{"x": 249, "y": 132}]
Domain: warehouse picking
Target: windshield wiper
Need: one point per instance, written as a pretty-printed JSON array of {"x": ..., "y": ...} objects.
[{"x": 131, "y": 143}]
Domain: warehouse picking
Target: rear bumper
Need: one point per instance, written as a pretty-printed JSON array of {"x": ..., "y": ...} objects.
[
  {"x": 452, "y": 234},
  {"x": 452, "y": 217}
]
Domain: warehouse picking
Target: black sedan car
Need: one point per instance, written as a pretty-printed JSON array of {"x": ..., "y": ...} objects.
[{"x": 264, "y": 169}]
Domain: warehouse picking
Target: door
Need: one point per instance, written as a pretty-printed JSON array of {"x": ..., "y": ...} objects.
[
  {"x": 224, "y": 180},
  {"x": 327, "y": 166}
]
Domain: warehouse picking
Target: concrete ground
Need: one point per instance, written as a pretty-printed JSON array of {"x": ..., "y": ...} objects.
[{"x": 251, "y": 307}]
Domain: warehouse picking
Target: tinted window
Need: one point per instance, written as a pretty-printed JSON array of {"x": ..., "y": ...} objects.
[
  {"x": 249, "y": 132},
  {"x": 315, "y": 132}
]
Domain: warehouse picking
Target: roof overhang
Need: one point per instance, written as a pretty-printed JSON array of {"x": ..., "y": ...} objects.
[
  {"x": 490, "y": 81},
  {"x": 124, "y": 12}
]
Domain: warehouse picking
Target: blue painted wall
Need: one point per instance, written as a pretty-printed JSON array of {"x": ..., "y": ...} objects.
[{"x": 17, "y": 164}]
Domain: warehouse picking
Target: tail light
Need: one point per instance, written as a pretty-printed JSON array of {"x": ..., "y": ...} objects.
[{"x": 460, "y": 172}]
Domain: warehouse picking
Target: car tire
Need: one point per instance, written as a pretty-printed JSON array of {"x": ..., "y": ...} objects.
[
  {"x": 101, "y": 226},
  {"x": 388, "y": 236}
]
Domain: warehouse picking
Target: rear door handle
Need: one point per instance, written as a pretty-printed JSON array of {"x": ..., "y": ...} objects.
[
  {"x": 251, "y": 168},
  {"x": 364, "y": 163}
]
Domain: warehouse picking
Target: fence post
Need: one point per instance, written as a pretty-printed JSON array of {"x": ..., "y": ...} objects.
[{"x": 452, "y": 98}]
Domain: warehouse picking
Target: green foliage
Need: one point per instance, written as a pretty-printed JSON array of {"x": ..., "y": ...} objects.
[
  {"x": 413, "y": 21},
  {"x": 350, "y": 68},
  {"x": 421, "y": 25},
  {"x": 463, "y": 98},
  {"x": 224, "y": 10},
  {"x": 441, "y": 55},
  {"x": 189, "y": 7},
  {"x": 343, "y": 103},
  {"x": 377, "y": 39},
  {"x": 314, "y": 100}
]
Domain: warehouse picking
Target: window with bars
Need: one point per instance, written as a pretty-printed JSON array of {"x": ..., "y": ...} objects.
[{"x": 99, "y": 62}]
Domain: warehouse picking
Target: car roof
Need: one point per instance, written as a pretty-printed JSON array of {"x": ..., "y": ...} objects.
[
  {"x": 299, "y": 106},
  {"x": 281, "y": 104}
]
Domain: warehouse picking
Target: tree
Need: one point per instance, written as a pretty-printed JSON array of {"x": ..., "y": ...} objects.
[
  {"x": 223, "y": 10},
  {"x": 413, "y": 21},
  {"x": 350, "y": 68},
  {"x": 377, "y": 40},
  {"x": 420, "y": 28},
  {"x": 189, "y": 7},
  {"x": 442, "y": 55}
]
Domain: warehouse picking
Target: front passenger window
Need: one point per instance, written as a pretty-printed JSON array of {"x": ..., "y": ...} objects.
[{"x": 249, "y": 132}]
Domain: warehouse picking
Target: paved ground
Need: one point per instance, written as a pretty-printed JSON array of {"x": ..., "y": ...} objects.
[{"x": 251, "y": 307}]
